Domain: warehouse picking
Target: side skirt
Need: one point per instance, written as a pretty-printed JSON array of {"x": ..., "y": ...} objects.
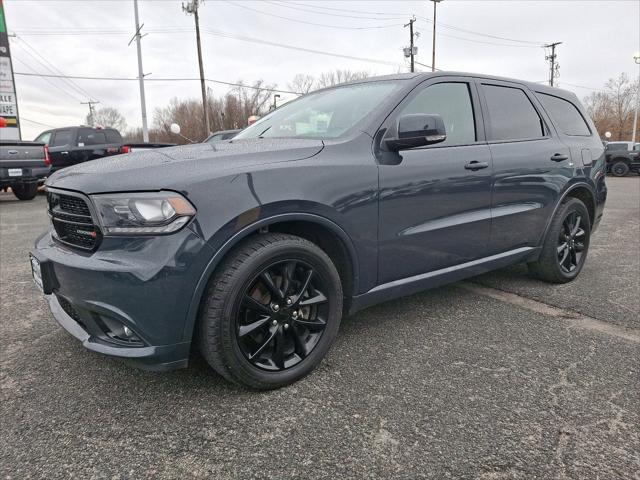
[{"x": 437, "y": 278}]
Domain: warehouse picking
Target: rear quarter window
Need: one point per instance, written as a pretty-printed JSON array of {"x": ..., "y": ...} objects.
[
  {"x": 89, "y": 136},
  {"x": 565, "y": 115},
  {"x": 113, "y": 136}
]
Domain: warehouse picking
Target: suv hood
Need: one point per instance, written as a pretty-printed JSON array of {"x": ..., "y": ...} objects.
[{"x": 174, "y": 167}]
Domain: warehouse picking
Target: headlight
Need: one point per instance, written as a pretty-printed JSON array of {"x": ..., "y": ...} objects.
[{"x": 143, "y": 213}]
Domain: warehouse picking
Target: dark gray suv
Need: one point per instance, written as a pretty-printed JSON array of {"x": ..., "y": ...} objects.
[{"x": 253, "y": 249}]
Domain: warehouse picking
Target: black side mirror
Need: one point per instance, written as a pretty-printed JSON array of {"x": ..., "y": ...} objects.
[{"x": 417, "y": 130}]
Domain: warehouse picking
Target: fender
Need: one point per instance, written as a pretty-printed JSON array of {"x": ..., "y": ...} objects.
[
  {"x": 559, "y": 202},
  {"x": 194, "y": 305}
]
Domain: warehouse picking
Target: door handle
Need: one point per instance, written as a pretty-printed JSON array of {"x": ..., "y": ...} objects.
[
  {"x": 64, "y": 153},
  {"x": 559, "y": 157},
  {"x": 476, "y": 165}
]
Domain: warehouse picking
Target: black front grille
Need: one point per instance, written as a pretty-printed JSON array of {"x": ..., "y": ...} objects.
[{"x": 72, "y": 221}]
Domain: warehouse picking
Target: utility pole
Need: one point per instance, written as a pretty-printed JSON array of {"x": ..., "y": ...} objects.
[
  {"x": 143, "y": 103},
  {"x": 91, "y": 103},
  {"x": 554, "y": 67},
  {"x": 433, "y": 49},
  {"x": 411, "y": 52},
  {"x": 636, "y": 58},
  {"x": 192, "y": 8}
]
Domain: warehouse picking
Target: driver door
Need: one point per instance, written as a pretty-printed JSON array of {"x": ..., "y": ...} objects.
[{"x": 434, "y": 204}]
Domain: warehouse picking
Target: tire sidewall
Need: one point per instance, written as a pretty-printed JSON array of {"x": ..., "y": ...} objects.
[
  {"x": 234, "y": 358},
  {"x": 567, "y": 208},
  {"x": 25, "y": 191},
  {"x": 624, "y": 169}
]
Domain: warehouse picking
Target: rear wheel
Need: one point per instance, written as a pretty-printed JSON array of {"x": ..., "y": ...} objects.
[
  {"x": 25, "y": 191},
  {"x": 565, "y": 247},
  {"x": 619, "y": 169},
  {"x": 271, "y": 312}
]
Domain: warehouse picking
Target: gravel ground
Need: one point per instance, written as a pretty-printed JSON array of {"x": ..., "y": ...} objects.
[{"x": 482, "y": 379}]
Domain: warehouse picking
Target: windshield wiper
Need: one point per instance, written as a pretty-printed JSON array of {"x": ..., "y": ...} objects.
[{"x": 263, "y": 132}]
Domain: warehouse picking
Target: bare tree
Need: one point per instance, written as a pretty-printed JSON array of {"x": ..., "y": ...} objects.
[
  {"x": 108, "y": 117},
  {"x": 227, "y": 112},
  {"x": 302, "y": 83},
  {"x": 612, "y": 108},
  {"x": 328, "y": 79}
]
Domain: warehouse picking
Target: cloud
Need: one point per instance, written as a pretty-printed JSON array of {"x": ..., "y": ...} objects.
[{"x": 91, "y": 39}]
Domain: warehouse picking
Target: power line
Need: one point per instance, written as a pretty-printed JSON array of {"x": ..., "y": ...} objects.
[
  {"x": 582, "y": 86},
  {"x": 49, "y": 66},
  {"x": 360, "y": 17},
  {"x": 83, "y": 77},
  {"x": 22, "y": 118},
  {"x": 308, "y": 23},
  {"x": 403, "y": 15},
  {"x": 46, "y": 79},
  {"x": 219, "y": 33},
  {"x": 302, "y": 49}
]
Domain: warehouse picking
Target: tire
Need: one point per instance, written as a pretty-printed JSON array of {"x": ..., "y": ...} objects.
[
  {"x": 619, "y": 169},
  {"x": 227, "y": 314},
  {"x": 552, "y": 266},
  {"x": 25, "y": 191}
]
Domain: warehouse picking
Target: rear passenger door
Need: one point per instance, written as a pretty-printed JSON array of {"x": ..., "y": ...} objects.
[{"x": 530, "y": 165}]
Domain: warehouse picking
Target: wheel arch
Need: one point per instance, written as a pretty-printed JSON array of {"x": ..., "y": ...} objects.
[
  {"x": 583, "y": 192},
  {"x": 324, "y": 232}
]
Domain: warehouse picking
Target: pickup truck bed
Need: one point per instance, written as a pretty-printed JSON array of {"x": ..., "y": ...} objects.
[{"x": 22, "y": 166}]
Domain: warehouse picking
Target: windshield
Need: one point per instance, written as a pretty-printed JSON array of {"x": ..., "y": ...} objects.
[{"x": 325, "y": 114}]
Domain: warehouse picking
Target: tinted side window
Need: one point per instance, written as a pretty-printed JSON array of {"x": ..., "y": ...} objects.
[
  {"x": 565, "y": 115},
  {"x": 214, "y": 138},
  {"x": 452, "y": 101},
  {"x": 113, "y": 136},
  {"x": 511, "y": 114},
  {"x": 89, "y": 136},
  {"x": 616, "y": 146},
  {"x": 61, "y": 138}
]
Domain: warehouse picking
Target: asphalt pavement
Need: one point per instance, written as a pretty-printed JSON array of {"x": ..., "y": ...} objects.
[{"x": 497, "y": 377}]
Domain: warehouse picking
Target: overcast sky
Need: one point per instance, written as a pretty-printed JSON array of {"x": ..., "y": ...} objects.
[{"x": 89, "y": 38}]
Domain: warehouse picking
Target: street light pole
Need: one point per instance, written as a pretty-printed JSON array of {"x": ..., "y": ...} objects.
[
  {"x": 636, "y": 58},
  {"x": 433, "y": 49}
]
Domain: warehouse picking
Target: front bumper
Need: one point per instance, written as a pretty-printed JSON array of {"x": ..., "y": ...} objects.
[{"x": 145, "y": 284}]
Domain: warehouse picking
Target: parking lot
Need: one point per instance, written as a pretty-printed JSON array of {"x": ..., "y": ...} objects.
[{"x": 498, "y": 377}]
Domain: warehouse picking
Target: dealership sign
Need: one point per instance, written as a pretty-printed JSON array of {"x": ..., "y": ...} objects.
[{"x": 9, "y": 123}]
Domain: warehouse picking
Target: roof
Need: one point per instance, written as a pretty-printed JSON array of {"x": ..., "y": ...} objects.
[{"x": 420, "y": 76}]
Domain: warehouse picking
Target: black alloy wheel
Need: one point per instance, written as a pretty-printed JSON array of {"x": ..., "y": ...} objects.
[
  {"x": 271, "y": 311},
  {"x": 571, "y": 242},
  {"x": 282, "y": 315},
  {"x": 566, "y": 244}
]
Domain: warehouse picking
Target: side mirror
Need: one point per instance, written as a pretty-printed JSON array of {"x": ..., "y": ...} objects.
[{"x": 417, "y": 130}]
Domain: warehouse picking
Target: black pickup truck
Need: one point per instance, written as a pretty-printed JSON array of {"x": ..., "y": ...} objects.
[
  {"x": 72, "y": 145},
  {"x": 22, "y": 166},
  {"x": 622, "y": 158}
]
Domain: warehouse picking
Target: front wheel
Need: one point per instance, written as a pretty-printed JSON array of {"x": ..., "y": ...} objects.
[
  {"x": 271, "y": 312},
  {"x": 565, "y": 247},
  {"x": 25, "y": 191}
]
